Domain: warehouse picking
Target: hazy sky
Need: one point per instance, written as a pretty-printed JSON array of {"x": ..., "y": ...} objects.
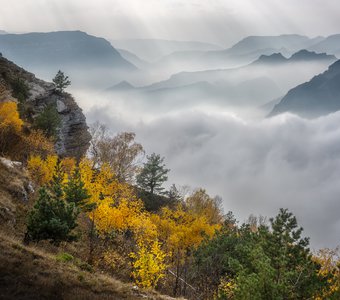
[{"x": 218, "y": 21}]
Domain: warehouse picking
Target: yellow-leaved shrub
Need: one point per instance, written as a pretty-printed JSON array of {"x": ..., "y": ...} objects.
[{"x": 148, "y": 264}]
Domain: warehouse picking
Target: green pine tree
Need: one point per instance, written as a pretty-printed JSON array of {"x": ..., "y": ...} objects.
[
  {"x": 76, "y": 193},
  {"x": 61, "y": 81},
  {"x": 51, "y": 219},
  {"x": 153, "y": 175},
  {"x": 48, "y": 120},
  {"x": 56, "y": 184}
]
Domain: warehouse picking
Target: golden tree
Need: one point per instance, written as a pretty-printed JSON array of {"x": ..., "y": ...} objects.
[{"x": 10, "y": 126}]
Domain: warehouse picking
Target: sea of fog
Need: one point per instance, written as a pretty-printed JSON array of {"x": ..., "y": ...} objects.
[{"x": 256, "y": 164}]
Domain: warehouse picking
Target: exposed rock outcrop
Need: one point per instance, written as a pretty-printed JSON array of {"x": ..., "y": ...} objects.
[{"x": 72, "y": 135}]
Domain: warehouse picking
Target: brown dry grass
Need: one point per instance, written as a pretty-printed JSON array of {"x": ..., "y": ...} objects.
[
  {"x": 30, "y": 273},
  {"x": 33, "y": 272}
]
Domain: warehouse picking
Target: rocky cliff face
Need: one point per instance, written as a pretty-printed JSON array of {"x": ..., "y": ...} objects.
[{"x": 73, "y": 136}]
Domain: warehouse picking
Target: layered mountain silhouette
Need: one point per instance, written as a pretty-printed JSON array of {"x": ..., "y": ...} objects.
[
  {"x": 242, "y": 53},
  {"x": 251, "y": 47},
  {"x": 319, "y": 96},
  {"x": 300, "y": 56},
  {"x": 269, "y": 77}
]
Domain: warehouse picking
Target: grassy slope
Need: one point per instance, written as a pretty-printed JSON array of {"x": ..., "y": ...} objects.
[
  {"x": 33, "y": 272},
  {"x": 30, "y": 273}
]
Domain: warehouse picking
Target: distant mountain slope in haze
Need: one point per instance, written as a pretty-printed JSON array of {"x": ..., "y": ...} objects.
[
  {"x": 300, "y": 56},
  {"x": 330, "y": 45},
  {"x": 60, "y": 48},
  {"x": 242, "y": 53},
  {"x": 291, "y": 42},
  {"x": 263, "y": 66},
  {"x": 153, "y": 49},
  {"x": 275, "y": 58},
  {"x": 3, "y": 32},
  {"x": 319, "y": 96},
  {"x": 305, "y": 55},
  {"x": 88, "y": 60},
  {"x": 133, "y": 58},
  {"x": 121, "y": 86}
]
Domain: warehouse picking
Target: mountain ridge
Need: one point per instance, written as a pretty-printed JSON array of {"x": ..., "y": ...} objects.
[{"x": 74, "y": 52}]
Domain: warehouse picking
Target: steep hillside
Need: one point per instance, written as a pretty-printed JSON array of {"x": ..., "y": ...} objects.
[
  {"x": 72, "y": 134},
  {"x": 319, "y": 96},
  {"x": 331, "y": 45},
  {"x": 32, "y": 272},
  {"x": 15, "y": 189}
]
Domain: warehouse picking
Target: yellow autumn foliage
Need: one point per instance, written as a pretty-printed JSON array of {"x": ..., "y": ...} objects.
[
  {"x": 119, "y": 217},
  {"x": 9, "y": 116},
  {"x": 148, "y": 264},
  {"x": 36, "y": 143},
  {"x": 181, "y": 230},
  {"x": 226, "y": 288},
  {"x": 163, "y": 240},
  {"x": 41, "y": 170},
  {"x": 329, "y": 259},
  {"x": 10, "y": 129},
  {"x": 117, "y": 207}
]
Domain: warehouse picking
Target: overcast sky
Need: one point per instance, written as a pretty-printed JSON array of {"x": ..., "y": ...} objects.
[{"x": 218, "y": 21}]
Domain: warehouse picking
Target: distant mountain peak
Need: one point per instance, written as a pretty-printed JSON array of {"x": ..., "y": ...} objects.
[
  {"x": 300, "y": 56},
  {"x": 122, "y": 86},
  {"x": 304, "y": 55},
  {"x": 271, "y": 59}
]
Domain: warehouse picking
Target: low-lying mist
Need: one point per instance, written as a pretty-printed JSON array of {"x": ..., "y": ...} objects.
[{"x": 257, "y": 165}]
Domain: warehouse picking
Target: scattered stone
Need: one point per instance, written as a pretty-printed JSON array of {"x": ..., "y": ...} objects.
[{"x": 9, "y": 164}]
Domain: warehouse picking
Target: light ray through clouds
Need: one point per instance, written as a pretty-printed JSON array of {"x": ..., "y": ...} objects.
[{"x": 221, "y": 22}]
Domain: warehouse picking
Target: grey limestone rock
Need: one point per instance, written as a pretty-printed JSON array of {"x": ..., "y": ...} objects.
[{"x": 73, "y": 137}]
